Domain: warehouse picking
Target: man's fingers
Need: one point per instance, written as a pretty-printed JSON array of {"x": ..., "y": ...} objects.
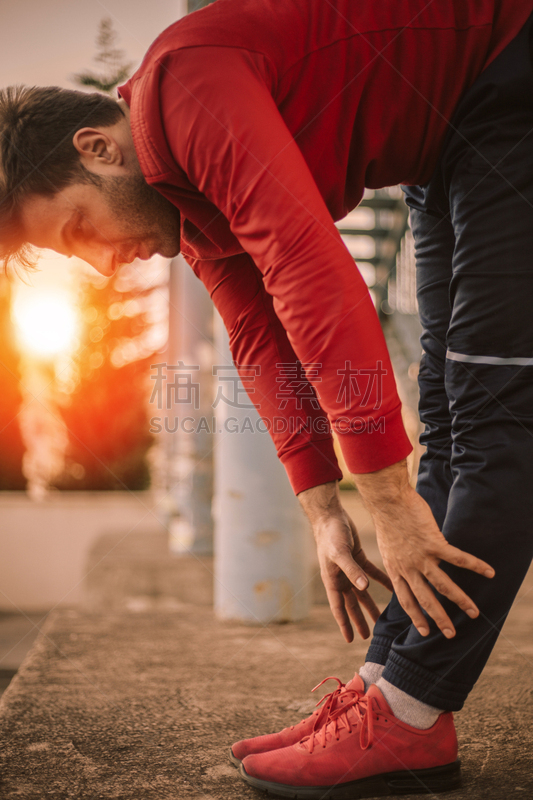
[
  {"x": 367, "y": 601},
  {"x": 353, "y": 571},
  {"x": 459, "y": 558},
  {"x": 378, "y": 575},
  {"x": 416, "y": 595},
  {"x": 429, "y": 603},
  {"x": 355, "y": 612},
  {"x": 445, "y": 586},
  {"x": 410, "y": 605},
  {"x": 338, "y": 609}
]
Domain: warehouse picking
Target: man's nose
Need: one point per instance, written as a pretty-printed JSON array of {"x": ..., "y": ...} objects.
[{"x": 104, "y": 260}]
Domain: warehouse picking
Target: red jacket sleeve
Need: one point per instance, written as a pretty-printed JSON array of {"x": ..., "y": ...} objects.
[
  {"x": 292, "y": 413},
  {"x": 226, "y": 132}
]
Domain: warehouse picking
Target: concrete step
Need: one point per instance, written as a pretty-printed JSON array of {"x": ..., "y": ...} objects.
[
  {"x": 123, "y": 569},
  {"x": 127, "y": 570}
]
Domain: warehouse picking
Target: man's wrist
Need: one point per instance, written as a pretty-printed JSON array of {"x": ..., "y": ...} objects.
[
  {"x": 320, "y": 502},
  {"x": 383, "y": 490}
]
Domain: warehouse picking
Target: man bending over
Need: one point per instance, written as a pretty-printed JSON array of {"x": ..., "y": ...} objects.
[{"x": 249, "y": 128}]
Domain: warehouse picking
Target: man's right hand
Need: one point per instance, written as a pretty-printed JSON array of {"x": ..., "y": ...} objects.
[
  {"x": 344, "y": 567},
  {"x": 412, "y": 546}
]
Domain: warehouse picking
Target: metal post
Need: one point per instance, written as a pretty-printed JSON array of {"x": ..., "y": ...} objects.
[{"x": 262, "y": 542}]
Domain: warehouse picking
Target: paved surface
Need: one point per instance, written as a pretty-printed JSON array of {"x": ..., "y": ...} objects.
[
  {"x": 142, "y": 702},
  {"x": 17, "y": 635}
]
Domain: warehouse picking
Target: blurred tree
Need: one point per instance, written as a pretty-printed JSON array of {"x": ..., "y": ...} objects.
[
  {"x": 194, "y": 5},
  {"x": 115, "y": 69},
  {"x": 11, "y": 443},
  {"x": 105, "y": 407}
]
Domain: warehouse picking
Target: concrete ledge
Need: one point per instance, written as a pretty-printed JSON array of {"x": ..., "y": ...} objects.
[
  {"x": 144, "y": 705},
  {"x": 108, "y": 550},
  {"x": 126, "y": 569},
  {"x": 45, "y": 543}
]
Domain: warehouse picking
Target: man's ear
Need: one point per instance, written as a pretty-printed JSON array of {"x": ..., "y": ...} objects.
[{"x": 98, "y": 150}]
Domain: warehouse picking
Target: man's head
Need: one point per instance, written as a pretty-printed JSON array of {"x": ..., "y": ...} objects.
[{"x": 70, "y": 181}]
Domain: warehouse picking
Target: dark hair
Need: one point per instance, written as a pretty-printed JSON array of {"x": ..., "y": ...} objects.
[{"x": 37, "y": 156}]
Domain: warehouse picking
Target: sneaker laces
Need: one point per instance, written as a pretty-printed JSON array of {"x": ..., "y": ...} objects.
[
  {"x": 358, "y": 711},
  {"x": 329, "y": 701}
]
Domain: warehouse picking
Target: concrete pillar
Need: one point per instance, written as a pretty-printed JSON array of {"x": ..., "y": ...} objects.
[
  {"x": 189, "y": 397},
  {"x": 263, "y": 544}
]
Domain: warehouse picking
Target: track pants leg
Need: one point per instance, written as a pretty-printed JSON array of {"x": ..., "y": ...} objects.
[
  {"x": 478, "y": 472},
  {"x": 435, "y": 241}
]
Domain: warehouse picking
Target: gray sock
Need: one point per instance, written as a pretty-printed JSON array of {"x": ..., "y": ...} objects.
[
  {"x": 370, "y": 672},
  {"x": 406, "y": 708}
]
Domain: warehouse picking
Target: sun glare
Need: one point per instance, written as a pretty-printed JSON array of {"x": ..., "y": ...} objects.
[{"x": 46, "y": 323}]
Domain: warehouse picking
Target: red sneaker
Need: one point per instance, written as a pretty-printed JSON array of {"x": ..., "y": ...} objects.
[
  {"x": 339, "y": 698},
  {"x": 363, "y": 751}
]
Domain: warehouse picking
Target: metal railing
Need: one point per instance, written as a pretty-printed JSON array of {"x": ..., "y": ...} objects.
[{"x": 376, "y": 234}]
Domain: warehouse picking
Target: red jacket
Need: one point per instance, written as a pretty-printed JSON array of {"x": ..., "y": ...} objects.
[{"x": 263, "y": 121}]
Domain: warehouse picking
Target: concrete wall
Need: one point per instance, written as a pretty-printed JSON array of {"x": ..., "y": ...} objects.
[{"x": 45, "y": 545}]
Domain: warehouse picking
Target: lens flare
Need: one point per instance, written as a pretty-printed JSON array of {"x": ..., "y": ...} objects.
[{"x": 46, "y": 323}]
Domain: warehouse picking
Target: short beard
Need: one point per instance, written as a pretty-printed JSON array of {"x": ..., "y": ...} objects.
[{"x": 141, "y": 209}]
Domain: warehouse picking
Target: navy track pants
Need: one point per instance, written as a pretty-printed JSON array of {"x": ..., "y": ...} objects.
[{"x": 473, "y": 229}]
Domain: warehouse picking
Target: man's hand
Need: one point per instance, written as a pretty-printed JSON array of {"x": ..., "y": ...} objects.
[
  {"x": 343, "y": 565},
  {"x": 412, "y": 546}
]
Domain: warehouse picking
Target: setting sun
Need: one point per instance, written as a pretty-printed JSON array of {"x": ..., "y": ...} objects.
[{"x": 46, "y": 322}]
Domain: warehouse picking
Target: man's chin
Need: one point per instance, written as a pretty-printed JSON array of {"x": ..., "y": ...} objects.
[{"x": 169, "y": 251}]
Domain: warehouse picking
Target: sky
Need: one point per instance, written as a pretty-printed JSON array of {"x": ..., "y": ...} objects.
[{"x": 45, "y": 42}]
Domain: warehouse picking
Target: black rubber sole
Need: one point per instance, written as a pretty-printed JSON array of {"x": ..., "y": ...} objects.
[
  {"x": 234, "y": 759},
  {"x": 416, "y": 781}
]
